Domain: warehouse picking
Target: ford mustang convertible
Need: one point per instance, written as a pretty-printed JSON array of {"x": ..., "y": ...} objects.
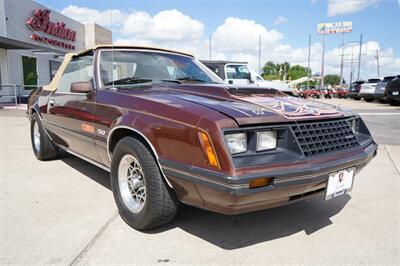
[{"x": 169, "y": 130}]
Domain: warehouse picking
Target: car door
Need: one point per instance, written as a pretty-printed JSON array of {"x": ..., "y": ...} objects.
[{"x": 70, "y": 114}]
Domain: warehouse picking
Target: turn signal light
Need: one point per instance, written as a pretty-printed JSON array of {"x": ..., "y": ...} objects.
[
  {"x": 209, "y": 149},
  {"x": 260, "y": 182}
]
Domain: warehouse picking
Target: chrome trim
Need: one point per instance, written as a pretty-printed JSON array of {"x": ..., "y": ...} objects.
[
  {"x": 85, "y": 158},
  {"x": 148, "y": 142},
  {"x": 232, "y": 186}
]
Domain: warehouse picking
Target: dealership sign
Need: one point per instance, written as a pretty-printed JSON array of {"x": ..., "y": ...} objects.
[
  {"x": 40, "y": 22},
  {"x": 335, "y": 27}
]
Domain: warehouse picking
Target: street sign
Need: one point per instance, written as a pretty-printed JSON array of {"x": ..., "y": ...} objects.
[{"x": 335, "y": 27}]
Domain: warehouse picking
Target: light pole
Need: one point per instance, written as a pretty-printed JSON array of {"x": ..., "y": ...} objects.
[
  {"x": 341, "y": 62},
  {"x": 377, "y": 62},
  {"x": 359, "y": 58},
  {"x": 343, "y": 55},
  {"x": 259, "y": 54},
  {"x": 323, "y": 61},
  {"x": 309, "y": 57}
]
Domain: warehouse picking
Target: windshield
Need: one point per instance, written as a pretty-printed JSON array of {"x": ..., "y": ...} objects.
[
  {"x": 389, "y": 78},
  {"x": 373, "y": 80},
  {"x": 135, "y": 67}
]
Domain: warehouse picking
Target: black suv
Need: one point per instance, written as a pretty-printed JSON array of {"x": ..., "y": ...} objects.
[
  {"x": 379, "y": 93},
  {"x": 392, "y": 91}
]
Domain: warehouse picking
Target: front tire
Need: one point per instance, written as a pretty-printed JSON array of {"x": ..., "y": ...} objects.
[
  {"x": 143, "y": 199},
  {"x": 42, "y": 146}
]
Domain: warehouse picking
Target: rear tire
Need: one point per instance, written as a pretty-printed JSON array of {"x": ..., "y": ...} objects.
[
  {"x": 394, "y": 103},
  {"x": 143, "y": 199},
  {"x": 42, "y": 146},
  {"x": 368, "y": 100}
]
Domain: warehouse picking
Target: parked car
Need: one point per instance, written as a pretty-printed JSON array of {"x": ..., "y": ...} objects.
[
  {"x": 392, "y": 91},
  {"x": 368, "y": 88},
  {"x": 354, "y": 90},
  {"x": 239, "y": 73},
  {"x": 342, "y": 93},
  {"x": 311, "y": 92},
  {"x": 169, "y": 130},
  {"x": 327, "y": 93},
  {"x": 379, "y": 93}
]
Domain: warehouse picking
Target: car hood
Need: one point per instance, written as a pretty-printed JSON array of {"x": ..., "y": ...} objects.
[{"x": 246, "y": 105}]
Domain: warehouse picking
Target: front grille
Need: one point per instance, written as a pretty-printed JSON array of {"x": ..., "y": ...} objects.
[{"x": 320, "y": 138}]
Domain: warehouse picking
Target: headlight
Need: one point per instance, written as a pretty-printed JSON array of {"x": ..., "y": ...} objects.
[
  {"x": 237, "y": 142},
  {"x": 355, "y": 125},
  {"x": 266, "y": 140}
]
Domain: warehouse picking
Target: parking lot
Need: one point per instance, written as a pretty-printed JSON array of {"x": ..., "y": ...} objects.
[{"x": 63, "y": 212}]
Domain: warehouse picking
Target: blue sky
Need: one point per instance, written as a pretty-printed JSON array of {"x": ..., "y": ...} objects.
[{"x": 378, "y": 20}]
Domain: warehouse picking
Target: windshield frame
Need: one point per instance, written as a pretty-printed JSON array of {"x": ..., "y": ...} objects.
[{"x": 97, "y": 68}]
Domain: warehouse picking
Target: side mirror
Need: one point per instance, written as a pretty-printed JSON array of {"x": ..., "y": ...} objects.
[{"x": 81, "y": 87}]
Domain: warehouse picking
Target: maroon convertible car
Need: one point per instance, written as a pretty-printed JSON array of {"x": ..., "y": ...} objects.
[{"x": 168, "y": 131}]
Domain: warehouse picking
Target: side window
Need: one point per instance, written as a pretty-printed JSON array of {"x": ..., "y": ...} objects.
[
  {"x": 237, "y": 72},
  {"x": 230, "y": 72},
  {"x": 78, "y": 70}
]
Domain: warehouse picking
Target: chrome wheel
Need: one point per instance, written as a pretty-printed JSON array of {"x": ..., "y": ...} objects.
[
  {"x": 36, "y": 136},
  {"x": 131, "y": 183}
]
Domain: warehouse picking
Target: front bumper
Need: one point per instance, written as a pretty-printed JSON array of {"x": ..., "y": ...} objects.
[{"x": 226, "y": 194}]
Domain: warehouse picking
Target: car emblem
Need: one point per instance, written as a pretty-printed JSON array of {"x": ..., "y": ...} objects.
[{"x": 341, "y": 177}]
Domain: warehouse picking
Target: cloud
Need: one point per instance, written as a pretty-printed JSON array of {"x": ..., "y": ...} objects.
[
  {"x": 242, "y": 35},
  {"x": 89, "y": 15},
  {"x": 166, "y": 25},
  {"x": 341, "y": 7},
  {"x": 280, "y": 20}
]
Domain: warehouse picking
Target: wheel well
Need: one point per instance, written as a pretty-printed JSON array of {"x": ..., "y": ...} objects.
[{"x": 120, "y": 133}]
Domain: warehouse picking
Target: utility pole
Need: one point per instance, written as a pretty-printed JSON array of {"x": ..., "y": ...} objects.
[
  {"x": 284, "y": 72},
  {"x": 323, "y": 60},
  {"x": 210, "y": 47},
  {"x": 308, "y": 65},
  {"x": 377, "y": 62},
  {"x": 351, "y": 65},
  {"x": 359, "y": 58},
  {"x": 341, "y": 61},
  {"x": 259, "y": 54}
]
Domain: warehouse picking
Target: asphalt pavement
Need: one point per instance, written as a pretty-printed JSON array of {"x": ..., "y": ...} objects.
[{"x": 62, "y": 212}]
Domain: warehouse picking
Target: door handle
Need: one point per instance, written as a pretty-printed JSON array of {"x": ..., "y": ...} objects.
[{"x": 52, "y": 102}]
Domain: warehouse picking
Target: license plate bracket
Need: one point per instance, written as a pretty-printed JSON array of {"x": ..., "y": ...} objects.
[{"x": 339, "y": 183}]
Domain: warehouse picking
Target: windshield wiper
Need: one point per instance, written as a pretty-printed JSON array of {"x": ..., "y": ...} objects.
[
  {"x": 129, "y": 80},
  {"x": 191, "y": 79}
]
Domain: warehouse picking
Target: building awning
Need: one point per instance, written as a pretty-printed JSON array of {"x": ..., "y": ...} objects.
[
  {"x": 12, "y": 44},
  {"x": 8, "y": 43}
]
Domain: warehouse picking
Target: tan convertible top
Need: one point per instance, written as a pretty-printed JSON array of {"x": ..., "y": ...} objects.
[{"x": 54, "y": 83}]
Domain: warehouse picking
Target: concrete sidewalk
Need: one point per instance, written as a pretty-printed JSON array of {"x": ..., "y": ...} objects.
[{"x": 63, "y": 212}]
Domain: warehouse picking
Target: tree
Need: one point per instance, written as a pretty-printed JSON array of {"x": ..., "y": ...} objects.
[
  {"x": 297, "y": 71},
  {"x": 272, "y": 71},
  {"x": 269, "y": 68},
  {"x": 332, "y": 79}
]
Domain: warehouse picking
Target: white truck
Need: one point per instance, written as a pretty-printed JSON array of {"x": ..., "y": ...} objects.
[{"x": 239, "y": 73}]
